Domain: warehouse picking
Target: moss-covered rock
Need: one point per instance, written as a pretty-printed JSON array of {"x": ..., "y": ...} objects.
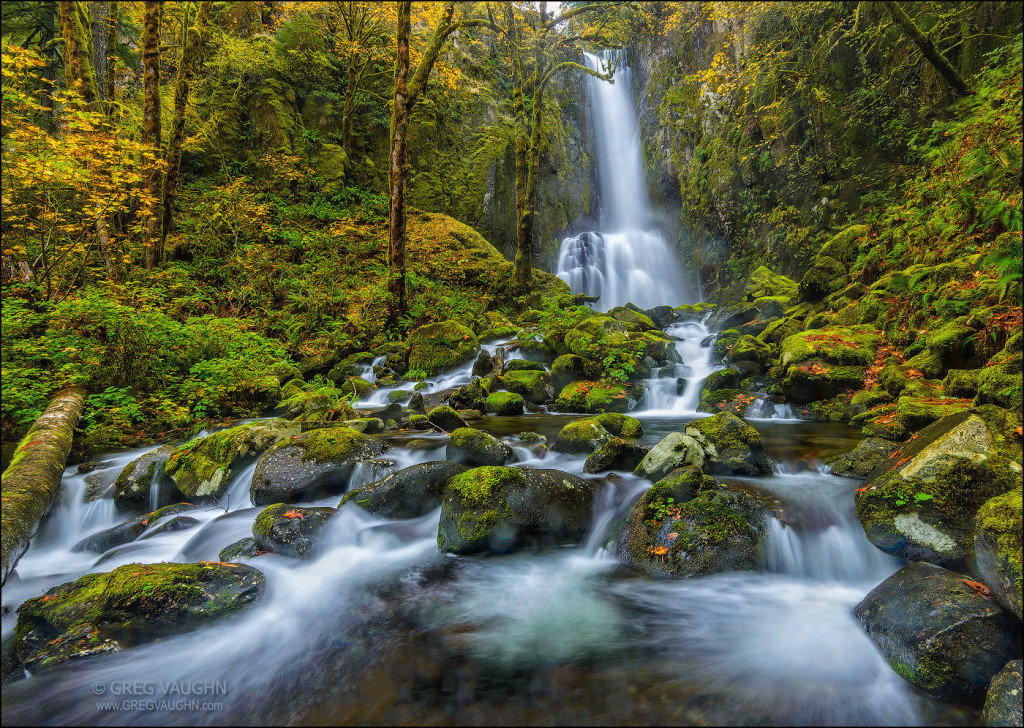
[
  {"x": 130, "y": 530},
  {"x": 523, "y": 365},
  {"x": 619, "y": 424},
  {"x": 505, "y": 403},
  {"x": 747, "y": 348},
  {"x": 437, "y": 347},
  {"x": 730, "y": 445},
  {"x": 288, "y": 530},
  {"x": 313, "y": 463},
  {"x": 815, "y": 380},
  {"x": 135, "y": 603},
  {"x": 1000, "y": 382},
  {"x": 675, "y": 450},
  {"x": 668, "y": 534},
  {"x": 825, "y": 277},
  {"x": 961, "y": 382},
  {"x": 468, "y": 446},
  {"x": 868, "y": 455},
  {"x": 778, "y": 330},
  {"x": 202, "y": 469},
  {"x": 629, "y": 316},
  {"x": 471, "y": 396},
  {"x": 132, "y": 487},
  {"x": 581, "y": 436},
  {"x": 913, "y": 413},
  {"x": 939, "y": 633},
  {"x": 865, "y": 399},
  {"x": 765, "y": 282},
  {"x": 503, "y": 509},
  {"x": 1003, "y": 699},
  {"x": 533, "y": 386},
  {"x": 997, "y": 547},
  {"x": 407, "y": 493},
  {"x": 355, "y": 386},
  {"x": 350, "y": 366},
  {"x": 692, "y": 311},
  {"x": 616, "y": 454},
  {"x": 445, "y": 418},
  {"x": 593, "y": 397},
  {"x": 845, "y": 245},
  {"x": 365, "y": 425},
  {"x": 849, "y": 346},
  {"x": 240, "y": 550},
  {"x": 571, "y": 368},
  {"x": 922, "y": 506}
]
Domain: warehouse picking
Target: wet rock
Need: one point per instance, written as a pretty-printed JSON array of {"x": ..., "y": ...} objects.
[
  {"x": 571, "y": 368},
  {"x": 731, "y": 446},
  {"x": 416, "y": 403},
  {"x": 133, "y": 484},
  {"x": 445, "y": 418},
  {"x": 938, "y": 632},
  {"x": 470, "y": 414},
  {"x": 240, "y": 550},
  {"x": 523, "y": 365},
  {"x": 366, "y": 425},
  {"x": 178, "y": 523},
  {"x": 532, "y": 386},
  {"x": 997, "y": 547},
  {"x": 128, "y": 531},
  {"x": 868, "y": 455},
  {"x": 289, "y": 531},
  {"x": 616, "y": 454},
  {"x": 408, "y": 493},
  {"x": 101, "y": 485},
  {"x": 922, "y": 506},
  {"x": 313, "y": 463},
  {"x": 392, "y": 412},
  {"x": 132, "y": 604},
  {"x": 1003, "y": 702},
  {"x": 587, "y": 434},
  {"x": 437, "y": 347},
  {"x": 93, "y": 465},
  {"x": 629, "y": 316},
  {"x": 675, "y": 450},
  {"x": 595, "y": 397},
  {"x": 505, "y": 403},
  {"x": 503, "y": 509},
  {"x": 469, "y": 446},
  {"x": 483, "y": 365},
  {"x": 471, "y": 396}
]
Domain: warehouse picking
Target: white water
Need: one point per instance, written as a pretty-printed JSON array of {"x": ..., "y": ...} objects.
[
  {"x": 628, "y": 260},
  {"x": 660, "y": 398}
]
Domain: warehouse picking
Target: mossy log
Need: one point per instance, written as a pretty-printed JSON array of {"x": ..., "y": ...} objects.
[{"x": 32, "y": 481}]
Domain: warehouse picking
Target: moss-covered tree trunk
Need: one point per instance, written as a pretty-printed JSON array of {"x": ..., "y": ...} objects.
[
  {"x": 397, "y": 167},
  {"x": 186, "y": 68},
  {"x": 100, "y": 13},
  {"x": 32, "y": 481},
  {"x": 111, "y": 47},
  {"x": 928, "y": 49},
  {"x": 151, "y": 127}
]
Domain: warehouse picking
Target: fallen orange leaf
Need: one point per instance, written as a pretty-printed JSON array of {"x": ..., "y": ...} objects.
[
  {"x": 660, "y": 551},
  {"x": 979, "y": 588},
  {"x": 673, "y": 536},
  {"x": 293, "y": 514}
]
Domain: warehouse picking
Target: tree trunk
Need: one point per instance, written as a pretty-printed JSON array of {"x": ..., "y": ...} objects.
[
  {"x": 397, "y": 170},
  {"x": 521, "y": 276},
  {"x": 151, "y": 127},
  {"x": 100, "y": 13},
  {"x": 31, "y": 483},
  {"x": 928, "y": 48},
  {"x": 111, "y": 54},
  {"x": 189, "y": 51},
  {"x": 75, "y": 25}
]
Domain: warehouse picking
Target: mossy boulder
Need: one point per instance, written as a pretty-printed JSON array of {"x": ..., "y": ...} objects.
[
  {"x": 523, "y": 365},
  {"x": 997, "y": 547},
  {"x": 922, "y": 506},
  {"x": 868, "y": 455},
  {"x": 692, "y": 311},
  {"x": 288, "y": 530},
  {"x": 675, "y": 450},
  {"x": 962, "y": 382},
  {"x": 630, "y": 316},
  {"x": 505, "y": 403},
  {"x": 846, "y": 346},
  {"x": 589, "y": 433},
  {"x": 865, "y": 399},
  {"x": 718, "y": 530},
  {"x": 132, "y": 604},
  {"x": 130, "y": 530},
  {"x": 571, "y": 368},
  {"x": 776, "y": 331},
  {"x": 440, "y": 346},
  {"x": 1000, "y": 381},
  {"x": 202, "y": 469},
  {"x": 593, "y": 337},
  {"x": 365, "y": 425},
  {"x": 747, "y": 348},
  {"x": 765, "y": 282},
  {"x": 845, "y": 246},
  {"x": 240, "y": 550},
  {"x": 350, "y": 366},
  {"x": 445, "y": 418},
  {"x": 468, "y": 446},
  {"x": 619, "y": 424},
  {"x": 939, "y": 633},
  {"x": 503, "y": 509},
  {"x": 730, "y": 445},
  {"x": 313, "y": 463},
  {"x": 471, "y": 396},
  {"x": 824, "y": 278},
  {"x": 1003, "y": 700},
  {"x": 616, "y": 454},
  {"x": 533, "y": 386},
  {"x": 132, "y": 487},
  {"x": 913, "y": 413},
  {"x": 593, "y": 397},
  {"x": 816, "y": 380},
  {"x": 407, "y": 493},
  {"x": 357, "y": 387}
]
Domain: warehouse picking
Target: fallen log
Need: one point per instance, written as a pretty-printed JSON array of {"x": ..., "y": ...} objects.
[{"x": 31, "y": 483}]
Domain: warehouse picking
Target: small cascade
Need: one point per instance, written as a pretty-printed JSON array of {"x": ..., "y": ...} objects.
[
  {"x": 237, "y": 495},
  {"x": 763, "y": 408},
  {"x": 677, "y": 392},
  {"x": 368, "y": 370}
]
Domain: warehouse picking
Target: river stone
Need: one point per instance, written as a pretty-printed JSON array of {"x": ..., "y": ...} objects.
[
  {"x": 468, "y": 446},
  {"x": 508, "y": 404},
  {"x": 244, "y": 548},
  {"x": 408, "y": 493},
  {"x": 997, "y": 547},
  {"x": 670, "y": 533},
  {"x": 1003, "y": 702},
  {"x": 483, "y": 365},
  {"x": 128, "y": 531},
  {"x": 366, "y": 425},
  {"x": 922, "y": 506},
  {"x": 731, "y": 446},
  {"x": 132, "y": 604},
  {"x": 440, "y": 346},
  {"x": 289, "y": 531},
  {"x": 503, "y": 509},
  {"x": 675, "y": 450},
  {"x": 868, "y": 455},
  {"x": 132, "y": 486},
  {"x": 471, "y": 396},
  {"x": 312, "y": 463},
  {"x": 523, "y": 365},
  {"x": 616, "y": 454},
  {"x": 202, "y": 469},
  {"x": 938, "y": 632},
  {"x": 533, "y": 386},
  {"x": 588, "y": 433},
  {"x": 445, "y": 418}
]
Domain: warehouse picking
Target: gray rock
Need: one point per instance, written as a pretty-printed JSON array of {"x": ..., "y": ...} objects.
[
  {"x": 1003, "y": 702},
  {"x": 468, "y": 446},
  {"x": 408, "y": 493},
  {"x": 675, "y": 450},
  {"x": 289, "y": 531}
]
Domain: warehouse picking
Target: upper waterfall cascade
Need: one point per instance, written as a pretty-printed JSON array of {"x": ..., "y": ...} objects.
[{"x": 628, "y": 259}]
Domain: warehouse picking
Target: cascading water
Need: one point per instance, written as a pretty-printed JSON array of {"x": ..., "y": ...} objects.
[
  {"x": 628, "y": 260},
  {"x": 676, "y": 389}
]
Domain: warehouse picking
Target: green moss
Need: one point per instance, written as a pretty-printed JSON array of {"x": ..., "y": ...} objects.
[
  {"x": 620, "y": 424},
  {"x": 845, "y": 246},
  {"x": 932, "y": 673},
  {"x": 844, "y": 346},
  {"x": 531, "y": 385},
  {"x": 826, "y": 276},
  {"x": 1000, "y": 518},
  {"x": 439, "y": 346},
  {"x": 327, "y": 444},
  {"x": 479, "y": 485},
  {"x": 592, "y": 397},
  {"x": 505, "y": 403}
]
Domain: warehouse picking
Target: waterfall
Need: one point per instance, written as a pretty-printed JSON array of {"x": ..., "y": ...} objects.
[
  {"x": 676, "y": 391},
  {"x": 628, "y": 260}
]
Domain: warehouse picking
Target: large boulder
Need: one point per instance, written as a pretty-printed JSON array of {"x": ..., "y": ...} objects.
[
  {"x": 502, "y": 509},
  {"x": 868, "y": 455},
  {"x": 671, "y": 532},
  {"x": 731, "y": 446},
  {"x": 825, "y": 277},
  {"x": 313, "y": 463},
  {"x": 675, "y": 450},
  {"x": 132, "y": 604},
  {"x": 764, "y": 282},
  {"x": 1003, "y": 701},
  {"x": 533, "y": 386},
  {"x": 243, "y": 548},
  {"x": 289, "y": 531},
  {"x": 588, "y": 433},
  {"x": 997, "y": 547},
  {"x": 407, "y": 493},
  {"x": 469, "y": 446},
  {"x": 202, "y": 469},
  {"x": 593, "y": 397},
  {"x": 939, "y": 630},
  {"x": 128, "y": 531},
  {"x": 445, "y": 418},
  {"x": 571, "y": 368},
  {"x": 922, "y": 506},
  {"x": 437, "y": 347},
  {"x": 616, "y": 454},
  {"x": 132, "y": 487},
  {"x": 471, "y": 396},
  {"x": 505, "y": 403}
]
